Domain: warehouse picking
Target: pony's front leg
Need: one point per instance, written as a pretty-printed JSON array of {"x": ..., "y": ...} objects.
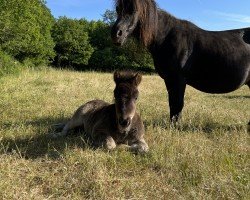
[{"x": 176, "y": 86}]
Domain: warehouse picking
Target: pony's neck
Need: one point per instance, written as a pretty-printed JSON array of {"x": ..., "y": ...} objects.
[{"x": 165, "y": 23}]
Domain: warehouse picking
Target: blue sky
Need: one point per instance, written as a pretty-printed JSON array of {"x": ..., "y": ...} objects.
[{"x": 208, "y": 14}]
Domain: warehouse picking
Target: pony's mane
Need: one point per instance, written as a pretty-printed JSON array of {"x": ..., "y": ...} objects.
[{"x": 148, "y": 18}]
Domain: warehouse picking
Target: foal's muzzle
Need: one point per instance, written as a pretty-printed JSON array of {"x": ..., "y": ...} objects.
[{"x": 124, "y": 122}]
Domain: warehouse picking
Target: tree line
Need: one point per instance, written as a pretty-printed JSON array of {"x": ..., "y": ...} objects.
[{"x": 31, "y": 36}]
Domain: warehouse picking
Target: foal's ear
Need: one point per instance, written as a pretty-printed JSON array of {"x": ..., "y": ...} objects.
[
  {"x": 117, "y": 76},
  {"x": 137, "y": 79}
]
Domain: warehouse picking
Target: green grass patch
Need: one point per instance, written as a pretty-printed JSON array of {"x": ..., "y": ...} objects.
[{"x": 205, "y": 157}]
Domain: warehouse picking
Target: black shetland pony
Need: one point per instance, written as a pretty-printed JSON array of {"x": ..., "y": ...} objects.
[{"x": 210, "y": 61}]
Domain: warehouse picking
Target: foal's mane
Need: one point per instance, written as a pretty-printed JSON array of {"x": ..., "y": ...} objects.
[
  {"x": 148, "y": 17},
  {"x": 128, "y": 76}
]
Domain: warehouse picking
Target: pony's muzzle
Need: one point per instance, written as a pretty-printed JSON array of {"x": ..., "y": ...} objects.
[{"x": 119, "y": 34}]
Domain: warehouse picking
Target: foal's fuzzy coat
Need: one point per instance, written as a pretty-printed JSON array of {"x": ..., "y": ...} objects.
[{"x": 112, "y": 124}]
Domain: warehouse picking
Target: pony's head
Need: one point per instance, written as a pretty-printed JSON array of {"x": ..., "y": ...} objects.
[
  {"x": 135, "y": 17},
  {"x": 126, "y": 93}
]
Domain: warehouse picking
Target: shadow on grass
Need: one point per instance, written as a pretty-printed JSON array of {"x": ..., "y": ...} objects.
[
  {"x": 42, "y": 144},
  {"x": 209, "y": 127},
  {"x": 230, "y": 96},
  {"x": 162, "y": 122}
]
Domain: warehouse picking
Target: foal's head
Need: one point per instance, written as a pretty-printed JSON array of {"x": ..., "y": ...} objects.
[
  {"x": 126, "y": 93},
  {"x": 137, "y": 17}
]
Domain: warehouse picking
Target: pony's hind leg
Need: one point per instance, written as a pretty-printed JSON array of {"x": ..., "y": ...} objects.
[{"x": 71, "y": 124}]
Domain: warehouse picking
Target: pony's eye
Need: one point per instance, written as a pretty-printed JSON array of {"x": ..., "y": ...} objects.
[{"x": 117, "y": 10}]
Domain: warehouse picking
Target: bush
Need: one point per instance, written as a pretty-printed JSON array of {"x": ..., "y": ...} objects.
[
  {"x": 107, "y": 60},
  {"x": 25, "y": 30},
  {"x": 108, "y": 57},
  {"x": 72, "y": 43},
  {"x": 138, "y": 56},
  {"x": 99, "y": 34},
  {"x": 85, "y": 45},
  {"x": 8, "y": 65}
]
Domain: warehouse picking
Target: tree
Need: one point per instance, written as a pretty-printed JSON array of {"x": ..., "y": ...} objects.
[
  {"x": 109, "y": 57},
  {"x": 99, "y": 33},
  {"x": 72, "y": 42},
  {"x": 109, "y": 17},
  {"x": 25, "y": 30}
]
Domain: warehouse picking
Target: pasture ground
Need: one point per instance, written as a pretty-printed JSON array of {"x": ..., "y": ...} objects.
[{"x": 205, "y": 157}]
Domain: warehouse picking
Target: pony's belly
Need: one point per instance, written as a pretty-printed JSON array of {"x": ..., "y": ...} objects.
[
  {"x": 213, "y": 84},
  {"x": 212, "y": 89},
  {"x": 217, "y": 77}
]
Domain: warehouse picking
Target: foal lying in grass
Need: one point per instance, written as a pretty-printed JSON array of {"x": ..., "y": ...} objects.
[{"x": 111, "y": 124}]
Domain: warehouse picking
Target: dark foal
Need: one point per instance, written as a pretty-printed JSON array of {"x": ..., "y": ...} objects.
[
  {"x": 112, "y": 124},
  {"x": 210, "y": 61}
]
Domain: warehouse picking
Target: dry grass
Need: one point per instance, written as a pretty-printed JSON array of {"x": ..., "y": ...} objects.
[{"x": 206, "y": 157}]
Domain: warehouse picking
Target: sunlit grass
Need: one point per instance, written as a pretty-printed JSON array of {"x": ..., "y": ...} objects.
[{"x": 205, "y": 157}]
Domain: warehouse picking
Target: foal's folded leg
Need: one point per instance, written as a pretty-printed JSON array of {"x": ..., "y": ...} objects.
[
  {"x": 139, "y": 146},
  {"x": 105, "y": 141}
]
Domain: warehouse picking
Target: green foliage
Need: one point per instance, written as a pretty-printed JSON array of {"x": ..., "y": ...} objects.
[
  {"x": 111, "y": 58},
  {"x": 99, "y": 33},
  {"x": 8, "y": 65},
  {"x": 108, "y": 57},
  {"x": 25, "y": 30},
  {"x": 30, "y": 35},
  {"x": 109, "y": 17},
  {"x": 72, "y": 42},
  {"x": 138, "y": 56},
  {"x": 107, "y": 60},
  {"x": 87, "y": 45}
]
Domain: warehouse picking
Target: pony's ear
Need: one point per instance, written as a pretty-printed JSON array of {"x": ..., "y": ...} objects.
[
  {"x": 137, "y": 79},
  {"x": 117, "y": 76}
]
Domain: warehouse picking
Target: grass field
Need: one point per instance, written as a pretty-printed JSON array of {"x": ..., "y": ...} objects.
[{"x": 206, "y": 157}]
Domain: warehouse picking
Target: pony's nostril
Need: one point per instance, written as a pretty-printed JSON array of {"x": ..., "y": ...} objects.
[{"x": 119, "y": 33}]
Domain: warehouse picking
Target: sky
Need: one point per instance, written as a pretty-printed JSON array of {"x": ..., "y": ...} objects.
[{"x": 208, "y": 14}]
